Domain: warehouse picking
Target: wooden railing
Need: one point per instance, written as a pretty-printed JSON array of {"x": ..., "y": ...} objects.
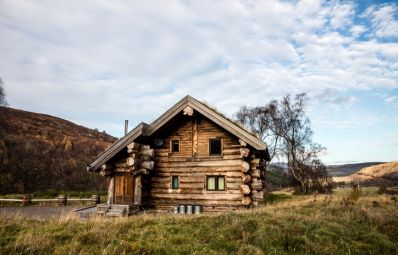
[{"x": 62, "y": 199}]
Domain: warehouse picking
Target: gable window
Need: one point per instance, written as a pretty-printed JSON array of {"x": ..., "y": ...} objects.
[
  {"x": 175, "y": 145},
  {"x": 215, "y": 147},
  {"x": 216, "y": 183},
  {"x": 175, "y": 182}
]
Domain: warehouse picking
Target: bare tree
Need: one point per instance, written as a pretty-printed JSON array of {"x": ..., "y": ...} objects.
[
  {"x": 285, "y": 126},
  {"x": 260, "y": 120}
]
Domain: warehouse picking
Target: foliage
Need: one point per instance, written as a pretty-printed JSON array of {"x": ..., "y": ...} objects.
[
  {"x": 295, "y": 226},
  {"x": 40, "y": 152},
  {"x": 276, "y": 178}
]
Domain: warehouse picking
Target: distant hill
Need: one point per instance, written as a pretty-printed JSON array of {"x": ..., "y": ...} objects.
[
  {"x": 39, "y": 151},
  {"x": 382, "y": 174},
  {"x": 347, "y": 169}
]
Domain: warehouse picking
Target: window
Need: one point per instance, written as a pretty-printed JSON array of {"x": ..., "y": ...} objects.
[
  {"x": 215, "y": 183},
  {"x": 175, "y": 145},
  {"x": 175, "y": 183},
  {"x": 215, "y": 146}
]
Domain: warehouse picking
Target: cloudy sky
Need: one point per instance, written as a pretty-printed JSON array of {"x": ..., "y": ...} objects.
[{"x": 99, "y": 62}]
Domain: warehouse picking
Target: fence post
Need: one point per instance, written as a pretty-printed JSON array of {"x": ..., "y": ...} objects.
[
  {"x": 95, "y": 199},
  {"x": 26, "y": 199}
]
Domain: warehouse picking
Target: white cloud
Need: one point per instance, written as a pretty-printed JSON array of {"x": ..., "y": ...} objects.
[
  {"x": 117, "y": 60},
  {"x": 383, "y": 20},
  {"x": 357, "y": 30}
]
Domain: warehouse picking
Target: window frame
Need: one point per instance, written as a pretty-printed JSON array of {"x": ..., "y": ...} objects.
[
  {"x": 216, "y": 188},
  {"x": 221, "y": 146},
  {"x": 172, "y": 182},
  {"x": 172, "y": 143}
]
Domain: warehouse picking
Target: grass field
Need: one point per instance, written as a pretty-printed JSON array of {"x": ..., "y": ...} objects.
[{"x": 337, "y": 224}]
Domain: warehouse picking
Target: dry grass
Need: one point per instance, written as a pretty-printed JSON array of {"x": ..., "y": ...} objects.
[{"x": 319, "y": 224}]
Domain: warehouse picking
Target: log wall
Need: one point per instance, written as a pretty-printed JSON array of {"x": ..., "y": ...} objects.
[{"x": 193, "y": 163}]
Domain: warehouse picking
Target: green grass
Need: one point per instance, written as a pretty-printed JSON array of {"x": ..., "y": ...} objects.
[{"x": 297, "y": 225}]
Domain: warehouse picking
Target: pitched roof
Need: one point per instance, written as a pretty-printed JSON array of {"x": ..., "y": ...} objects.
[{"x": 144, "y": 129}]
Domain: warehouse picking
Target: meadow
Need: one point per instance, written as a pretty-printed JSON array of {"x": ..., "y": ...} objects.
[{"x": 342, "y": 223}]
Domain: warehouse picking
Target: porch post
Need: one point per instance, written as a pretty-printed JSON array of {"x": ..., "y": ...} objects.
[{"x": 111, "y": 190}]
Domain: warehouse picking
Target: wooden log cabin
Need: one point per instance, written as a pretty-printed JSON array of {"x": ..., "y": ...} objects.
[{"x": 190, "y": 155}]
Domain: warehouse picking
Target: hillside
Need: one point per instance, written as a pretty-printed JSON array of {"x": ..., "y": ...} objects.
[
  {"x": 347, "y": 169},
  {"x": 383, "y": 174},
  {"x": 39, "y": 151}
]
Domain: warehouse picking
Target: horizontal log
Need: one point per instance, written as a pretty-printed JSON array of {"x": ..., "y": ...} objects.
[
  {"x": 237, "y": 156},
  {"x": 244, "y": 189},
  {"x": 258, "y": 196},
  {"x": 149, "y": 152},
  {"x": 145, "y": 147},
  {"x": 255, "y": 173},
  {"x": 258, "y": 185},
  {"x": 141, "y": 171},
  {"x": 246, "y": 201},
  {"x": 192, "y": 185},
  {"x": 132, "y": 151},
  {"x": 255, "y": 161},
  {"x": 207, "y": 196},
  {"x": 204, "y": 163},
  {"x": 124, "y": 169},
  {"x": 161, "y": 154},
  {"x": 192, "y": 179},
  {"x": 147, "y": 165},
  {"x": 106, "y": 172},
  {"x": 185, "y": 191},
  {"x": 202, "y": 202}
]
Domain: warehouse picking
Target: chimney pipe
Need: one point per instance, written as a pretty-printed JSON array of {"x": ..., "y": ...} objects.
[{"x": 126, "y": 127}]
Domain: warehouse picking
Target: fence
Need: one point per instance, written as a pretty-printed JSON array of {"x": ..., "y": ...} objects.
[{"x": 62, "y": 199}]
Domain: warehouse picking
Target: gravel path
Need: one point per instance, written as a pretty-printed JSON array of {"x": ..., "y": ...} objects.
[{"x": 42, "y": 212}]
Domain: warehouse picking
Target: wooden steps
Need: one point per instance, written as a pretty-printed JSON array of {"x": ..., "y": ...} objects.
[{"x": 116, "y": 210}]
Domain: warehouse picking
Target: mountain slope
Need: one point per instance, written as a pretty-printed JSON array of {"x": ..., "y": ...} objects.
[
  {"x": 39, "y": 151},
  {"x": 347, "y": 169},
  {"x": 383, "y": 174}
]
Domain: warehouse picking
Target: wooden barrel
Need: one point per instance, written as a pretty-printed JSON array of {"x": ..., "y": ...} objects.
[
  {"x": 95, "y": 199},
  {"x": 62, "y": 200},
  {"x": 26, "y": 199}
]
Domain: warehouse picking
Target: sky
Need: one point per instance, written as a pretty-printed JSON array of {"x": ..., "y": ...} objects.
[{"x": 97, "y": 63}]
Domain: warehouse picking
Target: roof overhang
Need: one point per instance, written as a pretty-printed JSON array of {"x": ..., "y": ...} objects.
[{"x": 109, "y": 153}]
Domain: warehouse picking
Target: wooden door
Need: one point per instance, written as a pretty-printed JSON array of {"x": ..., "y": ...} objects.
[{"x": 124, "y": 189}]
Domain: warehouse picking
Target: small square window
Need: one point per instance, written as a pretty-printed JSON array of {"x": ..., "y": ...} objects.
[
  {"x": 215, "y": 146},
  {"x": 216, "y": 183},
  {"x": 175, "y": 145},
  {"x": 175, "y": 182}
]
